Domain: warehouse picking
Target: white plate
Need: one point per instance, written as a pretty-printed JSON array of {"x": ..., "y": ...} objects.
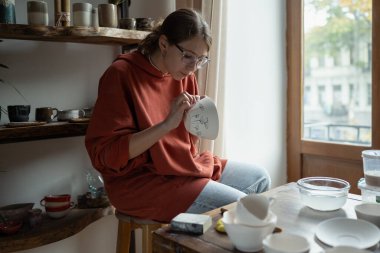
[
  {"x": 348, "y": 232},
  {"x": 346, "y": 249}
]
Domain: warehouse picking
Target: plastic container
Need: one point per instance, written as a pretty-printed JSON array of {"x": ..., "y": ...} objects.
[
  {"x": 371, "y": 167},
  {"x": 369, "y": 193},
  {"x": 323, "y": 193}
]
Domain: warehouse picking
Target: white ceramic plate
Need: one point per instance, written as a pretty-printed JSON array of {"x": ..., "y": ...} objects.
[
  {"x": 348, "y": 232},
  {"x": 346, "y": 249}
]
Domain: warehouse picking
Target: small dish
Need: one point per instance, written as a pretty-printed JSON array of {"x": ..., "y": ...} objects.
[
  {"x": 285, "y": 243},
  {"x": 348, "y": 232},
  {"x": 369, "y": 212}
]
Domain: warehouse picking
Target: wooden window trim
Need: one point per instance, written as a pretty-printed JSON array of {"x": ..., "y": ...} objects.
[{"x": 295, "y": 146}]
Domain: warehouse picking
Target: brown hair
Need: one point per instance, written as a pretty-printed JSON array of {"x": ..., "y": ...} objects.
[{"x": 180, "y": 25}]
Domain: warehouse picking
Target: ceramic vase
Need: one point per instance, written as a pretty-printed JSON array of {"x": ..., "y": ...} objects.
[{"x": 7, "y": 12}]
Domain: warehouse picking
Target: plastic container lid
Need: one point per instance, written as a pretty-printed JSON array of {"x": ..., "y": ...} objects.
[{"x": 374, "y": 154}]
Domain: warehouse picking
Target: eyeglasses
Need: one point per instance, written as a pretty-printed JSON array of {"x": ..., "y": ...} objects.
[{"x": 189, "y": 58}]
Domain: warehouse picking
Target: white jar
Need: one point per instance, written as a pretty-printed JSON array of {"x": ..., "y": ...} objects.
[
  {"x": 37, "y": 13},
  {"x": 82, "y": 14}
]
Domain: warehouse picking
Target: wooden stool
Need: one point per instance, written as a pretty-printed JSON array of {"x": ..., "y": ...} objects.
[{"x": 127, "y": 224}]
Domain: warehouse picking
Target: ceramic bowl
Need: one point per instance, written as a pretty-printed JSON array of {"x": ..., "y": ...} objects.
[
  {"x": 202, "y": 119},
  {"x": 323, "y": 193},
  {"x": 10, "y": 227},
  {"x": 346, "y": 249},
  {"x": 285, "y": 243},
  {"x": 57, "y": 212},
  {"x": 247, "y": 238},
  {"x": 16, "y": 212},
  {"x": 369, "y": 212}
]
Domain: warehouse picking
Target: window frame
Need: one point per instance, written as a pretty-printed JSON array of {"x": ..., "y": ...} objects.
[{"x": 296, "y": 147}]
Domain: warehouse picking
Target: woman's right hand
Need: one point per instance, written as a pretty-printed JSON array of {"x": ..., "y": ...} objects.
[{"x": 178, "y": 107}]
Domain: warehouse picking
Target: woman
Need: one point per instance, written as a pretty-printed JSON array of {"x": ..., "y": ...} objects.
[{"x": 137, "y": 140}]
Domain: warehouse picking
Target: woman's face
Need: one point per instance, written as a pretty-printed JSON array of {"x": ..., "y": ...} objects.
[{"x": 181, "y": 59}]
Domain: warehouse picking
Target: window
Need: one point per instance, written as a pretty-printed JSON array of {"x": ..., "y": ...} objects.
[{"x": 338, "y": 34}]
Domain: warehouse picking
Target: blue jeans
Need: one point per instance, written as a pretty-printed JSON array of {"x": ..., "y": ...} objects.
[{"x": 238, "y": 180}]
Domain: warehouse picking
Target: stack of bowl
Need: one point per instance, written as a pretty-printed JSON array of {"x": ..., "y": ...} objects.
[
  {"x": 247, "y": 229},
  {"x": 57, "y": 206}
]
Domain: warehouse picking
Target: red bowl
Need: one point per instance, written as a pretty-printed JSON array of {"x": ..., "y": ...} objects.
[{"x": 10, "y": 227}]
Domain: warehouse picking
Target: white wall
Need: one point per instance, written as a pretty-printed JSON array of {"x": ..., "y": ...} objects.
[
  {"x": 63, "y": 75},
  {"x": 256, "y": 85}
]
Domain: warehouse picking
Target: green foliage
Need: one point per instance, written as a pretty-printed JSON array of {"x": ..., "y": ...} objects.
[{"x": 347, "y": 22}]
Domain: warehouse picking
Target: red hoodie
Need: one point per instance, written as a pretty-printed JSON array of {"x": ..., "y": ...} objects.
[{"x": 167, "y": 178}]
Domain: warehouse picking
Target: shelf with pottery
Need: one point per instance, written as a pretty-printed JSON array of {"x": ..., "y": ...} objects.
[
  {"x": 92, "y": 35},
  {"x": 41, "y": 131},
  {"x": 52, "y": 230}
]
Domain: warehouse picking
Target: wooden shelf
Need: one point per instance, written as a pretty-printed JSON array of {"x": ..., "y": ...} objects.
[
  {"x": 92, "y": 35},
  {"x": 47, "y": 131},
  {"x": 51, "y": 230}
]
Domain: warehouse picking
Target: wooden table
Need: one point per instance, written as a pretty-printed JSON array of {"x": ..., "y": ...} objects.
[{"x": 292, "y": 215}]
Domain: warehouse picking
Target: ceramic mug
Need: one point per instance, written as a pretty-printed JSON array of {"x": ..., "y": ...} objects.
[
  {"x": 46, "y": 113},
  {"x": 57, "y": 206},
  {"x": 66, "y": 115},
  {"x": 18, "y": 113}
]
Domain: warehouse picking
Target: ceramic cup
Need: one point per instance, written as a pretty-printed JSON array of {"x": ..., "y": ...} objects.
[
  {"x": 127, "y": 23},
  {"x": 57, "y": 206},
  {"x": 46, "y": 113},
  {"x": 82, "y": 14},
  {"x": 7, "y": 12},
  {"x": 202, "y": 119},
  {"x": 37, "y": 13},
  {"x": 18, "y": 113},
  {"x": 107, "y": 15},
  {"x": 66, "y": 115},
  {"x": 144, "y": 24}
]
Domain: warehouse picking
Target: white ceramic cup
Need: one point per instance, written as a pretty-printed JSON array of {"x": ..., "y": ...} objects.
[{"x": 202, "y": 119}]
